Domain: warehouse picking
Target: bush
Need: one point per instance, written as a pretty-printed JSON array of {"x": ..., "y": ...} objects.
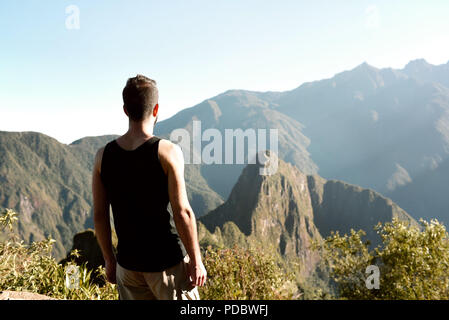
[
  {"x": 237, "y": 274},
  {"x": 413, "y": 262},
  {"x": 232, "y": 273},
  {"x": 32, "y": 268}
]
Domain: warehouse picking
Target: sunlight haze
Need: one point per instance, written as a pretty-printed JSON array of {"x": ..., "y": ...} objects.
[{"x": 67, "y": 83}]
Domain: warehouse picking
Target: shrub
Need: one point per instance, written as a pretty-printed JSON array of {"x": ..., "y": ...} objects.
[
  {"x": 32, "y": 268},
  {"x": 413, "y": 262},
  {"x": 238, "y": 274},
  {"x": 232, "y": 273}
]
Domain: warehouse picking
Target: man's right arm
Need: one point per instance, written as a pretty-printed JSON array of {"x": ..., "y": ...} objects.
[{"x": 172, "y": 162}]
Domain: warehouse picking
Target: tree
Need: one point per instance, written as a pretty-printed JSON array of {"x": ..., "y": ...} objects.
[{"x": 413, "y": 262}]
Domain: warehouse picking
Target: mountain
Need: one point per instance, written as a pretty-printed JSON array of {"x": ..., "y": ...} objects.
[
  {"x": 273, "y": 213},
  {"x": 427, "y": 194},
  {"x": 239, "y": 109},
  {"x": 339, "y": 206},
  {"x": 382, "y": 129},
  {"x": 285, "y": 212},
  {"x": 269, "y": 213},
  {"x": 49, "y": 184},
  {"x": 423, "y": 71},
  {"x": 377, "y": 128},
  {"x": 373, "y": 121},
  {"x": 282, "y": 215}
]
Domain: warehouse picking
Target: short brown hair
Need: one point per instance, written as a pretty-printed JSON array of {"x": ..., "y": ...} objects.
[{"x": 140, "y": 95}]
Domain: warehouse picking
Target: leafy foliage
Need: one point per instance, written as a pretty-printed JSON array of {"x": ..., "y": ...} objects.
[
  {"x": 238, "y": 274},
  {"x": 233, "y": 273},
  {"x": 413, "y": 262},
  {"x": 32, "y": 268}
]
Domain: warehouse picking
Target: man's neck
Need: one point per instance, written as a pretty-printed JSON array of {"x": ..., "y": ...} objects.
[{"x": 140, "y": 129}]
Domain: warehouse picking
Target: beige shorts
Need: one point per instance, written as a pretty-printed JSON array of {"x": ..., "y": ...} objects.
[{"x": 170, "y": 284}]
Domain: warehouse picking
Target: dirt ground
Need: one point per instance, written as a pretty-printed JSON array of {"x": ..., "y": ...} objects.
[{"x": 16, "y": 295}]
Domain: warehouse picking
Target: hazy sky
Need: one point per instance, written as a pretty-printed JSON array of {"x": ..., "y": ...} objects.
[{"x": 67, "y": 83}]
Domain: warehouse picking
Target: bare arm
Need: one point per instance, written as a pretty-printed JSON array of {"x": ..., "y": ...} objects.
[
  {"x": 101, "y": 218},
  {"x": 172, "y": 162}
]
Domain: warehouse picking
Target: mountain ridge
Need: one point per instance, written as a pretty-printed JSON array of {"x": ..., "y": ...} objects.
[
  {"x": 378, "y": 128},
  {"x": 49, "y": 184},
  {"x": 285, "y": 213}
]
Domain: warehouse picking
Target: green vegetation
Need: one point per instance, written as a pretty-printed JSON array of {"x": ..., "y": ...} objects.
[
  {"x": 413, "y": 262},
  {"x": 283, "y": 214},
  {"x": 234, "y": 273},
  {"x": 238, "y": 274},
  {"x": 49, "y": 184},
  {"x": 31, "y": 268},
  {"x": 272, "y": 214}
]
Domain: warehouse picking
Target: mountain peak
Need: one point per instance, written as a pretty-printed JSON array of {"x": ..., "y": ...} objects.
[
  {"x": 363, "y": 79},
  {"x": 273, "y": 210},
  {"x": 417, "y": 64},
  {"x": 250, "y": 189},
  {"x": 364, "y": 64},
  {"x": 362, "y": 70},
  {"x": 365, "y": 67}
]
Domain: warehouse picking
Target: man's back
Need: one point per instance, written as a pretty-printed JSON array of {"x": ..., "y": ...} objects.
[{"x": 138, "y": 190}]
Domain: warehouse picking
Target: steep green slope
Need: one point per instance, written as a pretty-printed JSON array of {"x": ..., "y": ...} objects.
[
  {"x": 274, "y": 213},
  {"x": 339, "y": 206},
  {"x": 49, "y": 184},
  {"x": 284, "y": 212}
]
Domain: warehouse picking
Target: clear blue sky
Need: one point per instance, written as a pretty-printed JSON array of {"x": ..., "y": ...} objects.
[{"x": 67, "y": 83}]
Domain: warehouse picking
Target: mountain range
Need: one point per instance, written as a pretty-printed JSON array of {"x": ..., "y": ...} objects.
[
  {"x": 350, "y": 148},
  {"x": 285, "y": 213},
  {"x": 49, "y": 184},
  {"x": 377, "y": 128}
]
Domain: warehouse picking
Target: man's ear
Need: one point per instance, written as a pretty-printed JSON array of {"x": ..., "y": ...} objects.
[
  {"x": 126, "y": 111},
  {"x": 155, "y": 110}
]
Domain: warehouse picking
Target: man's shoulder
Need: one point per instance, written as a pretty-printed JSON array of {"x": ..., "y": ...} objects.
[
  {"x": 168, "y": 147},
  {"x": 169, "y": 152}
]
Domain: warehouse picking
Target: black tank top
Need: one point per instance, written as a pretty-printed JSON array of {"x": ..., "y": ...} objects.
[{"x": 137, "y": 189}]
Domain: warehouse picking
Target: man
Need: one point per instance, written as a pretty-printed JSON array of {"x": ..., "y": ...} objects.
[{"x": 138, "y": 174}]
